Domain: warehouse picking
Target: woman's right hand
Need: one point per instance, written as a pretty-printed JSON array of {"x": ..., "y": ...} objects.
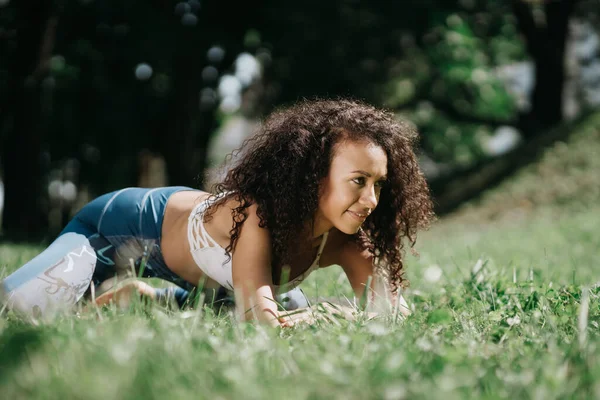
[{"x": 323, "y": 312}]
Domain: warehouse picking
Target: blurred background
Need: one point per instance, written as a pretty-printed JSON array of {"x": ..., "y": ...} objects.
[{"x": 100, "y": 95}]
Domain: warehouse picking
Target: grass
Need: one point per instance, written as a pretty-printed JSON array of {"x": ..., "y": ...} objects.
[
  {"x": 505, "y": 306},
  {"x": 510, "y": 329},
  {"x": 564, "y": 179}
]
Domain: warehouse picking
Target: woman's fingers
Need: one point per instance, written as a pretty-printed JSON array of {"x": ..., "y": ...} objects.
[{"x": 320, "y": 312}]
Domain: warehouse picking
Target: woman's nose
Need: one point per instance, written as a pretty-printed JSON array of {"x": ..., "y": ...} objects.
[{"x": 370, "y": 197}]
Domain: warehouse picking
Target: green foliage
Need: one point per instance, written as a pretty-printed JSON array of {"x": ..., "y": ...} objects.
[
  {"x": 400, "y": 54},
  {"x": 447, "y": 85},
  {"x": 449, "y": 140},
  {"x": 464, "y": 81}
]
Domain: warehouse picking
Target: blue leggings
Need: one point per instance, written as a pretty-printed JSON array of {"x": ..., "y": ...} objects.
[{"x": 116, "y": 235}]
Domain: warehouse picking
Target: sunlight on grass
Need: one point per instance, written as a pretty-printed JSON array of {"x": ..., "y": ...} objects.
[{"x": 498, "y": 318}]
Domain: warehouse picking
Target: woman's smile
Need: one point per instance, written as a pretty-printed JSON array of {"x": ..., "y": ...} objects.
[{"x": 358, "y": 216}]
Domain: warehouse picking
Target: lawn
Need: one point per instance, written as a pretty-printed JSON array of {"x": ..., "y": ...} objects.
[
  {"x": 504, "y": 307},
  {"x": 500, "y": 310}
]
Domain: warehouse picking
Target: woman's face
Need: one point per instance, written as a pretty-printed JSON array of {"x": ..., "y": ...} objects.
[{"x": 351, "y": 190}]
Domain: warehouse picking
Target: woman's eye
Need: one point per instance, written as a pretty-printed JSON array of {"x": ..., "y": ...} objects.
[
  {"x": 380, "y": 184},
  {"x": 359, "y": 181}
]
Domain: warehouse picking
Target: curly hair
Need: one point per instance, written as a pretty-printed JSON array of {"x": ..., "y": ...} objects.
[{"x": 281, "y": 167}]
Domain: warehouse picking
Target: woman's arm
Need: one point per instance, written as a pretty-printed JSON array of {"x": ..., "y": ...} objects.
[
  {"x": 358, "y": 266},
  {"x": 251, "y": 272}
]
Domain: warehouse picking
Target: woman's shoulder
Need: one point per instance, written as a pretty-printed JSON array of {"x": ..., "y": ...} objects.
[
  {"x": 186, "y": 199},
  {"x": 223, "y": 217}
]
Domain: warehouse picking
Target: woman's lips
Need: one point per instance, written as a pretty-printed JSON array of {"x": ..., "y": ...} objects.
[{"x": 358, "y": 216}]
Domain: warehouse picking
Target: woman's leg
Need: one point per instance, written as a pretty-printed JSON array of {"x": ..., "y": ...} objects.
[
  {"x": 54, "y": 280},
  {"x": 120, "y": 292}
]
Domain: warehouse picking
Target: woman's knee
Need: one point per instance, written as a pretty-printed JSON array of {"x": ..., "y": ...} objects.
[{"x": 54, "y": 280}]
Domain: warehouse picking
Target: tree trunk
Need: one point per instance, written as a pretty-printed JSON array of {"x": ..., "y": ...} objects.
[
  {"x": 546, "y": 41},
  {"x": 25, "y": 213},
  {"x": 183, "y": 133}
]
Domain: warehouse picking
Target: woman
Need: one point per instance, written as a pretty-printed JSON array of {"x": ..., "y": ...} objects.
[{"x": 325, "y": 182}]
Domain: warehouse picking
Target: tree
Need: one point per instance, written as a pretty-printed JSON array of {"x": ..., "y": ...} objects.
[
  {"x": 545, "y": 29},
  {"x": 21, "y": 109},
  {"x": 182, "y": 130}
]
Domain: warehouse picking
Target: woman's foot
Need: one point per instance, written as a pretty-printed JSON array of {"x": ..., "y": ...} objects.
[{"x": 125, "y": 291}]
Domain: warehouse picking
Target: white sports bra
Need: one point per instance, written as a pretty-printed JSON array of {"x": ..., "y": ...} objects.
[{"x": 212, "y": 259}]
